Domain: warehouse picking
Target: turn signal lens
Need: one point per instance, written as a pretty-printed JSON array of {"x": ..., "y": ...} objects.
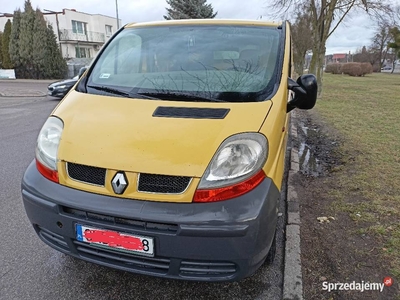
[
  {"x": 46, "y": 172},
  {"x": 229, "y": 192}
]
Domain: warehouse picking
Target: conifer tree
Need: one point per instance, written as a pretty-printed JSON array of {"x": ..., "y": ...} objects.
[
  {"x": 39, "y": 45},
  {"x": 14, "y": 40},
  {"x": 55, "y": 63},
  {"x": 189, "y": 9},
  {"x": 26, "y": 38},
  {"x": 1, "y": 53},
  {"x": 6, "y": 61},
  {"x": 395, "y": 45},
  {"x": 33, "y": 46}
]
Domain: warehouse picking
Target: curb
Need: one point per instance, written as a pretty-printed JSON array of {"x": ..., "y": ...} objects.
[{"x": 292, "y": 281}]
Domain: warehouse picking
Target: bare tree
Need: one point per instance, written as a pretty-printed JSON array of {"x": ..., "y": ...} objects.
[
  {"x": 302, "y": 39},
  {"x": 397, "y": 15},
  {"x": 380, "y": 41},
  {"x": 326, "y": 16},
  {"x": 362, "y": 55}
]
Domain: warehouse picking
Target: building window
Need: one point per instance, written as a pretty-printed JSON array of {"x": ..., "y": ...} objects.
[
  {"x": 108, "y": 30},
  {"x": 78, "y": 27},
  {"x": 82, "y": 52}
]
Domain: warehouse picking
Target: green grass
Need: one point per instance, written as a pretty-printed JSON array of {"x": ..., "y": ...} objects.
[{"x": 365, "y": 111}]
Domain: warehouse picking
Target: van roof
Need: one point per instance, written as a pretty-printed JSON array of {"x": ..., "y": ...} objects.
[{"x": 206, "y": 21}]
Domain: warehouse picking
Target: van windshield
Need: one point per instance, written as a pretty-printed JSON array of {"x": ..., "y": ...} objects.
[{"x": 232, "y": 63}]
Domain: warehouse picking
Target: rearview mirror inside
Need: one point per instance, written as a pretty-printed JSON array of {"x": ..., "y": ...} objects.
[{"x": 305, "y": 92}]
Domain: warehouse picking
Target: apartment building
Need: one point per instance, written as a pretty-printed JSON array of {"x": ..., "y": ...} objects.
[{"x": 80, "y": 35}]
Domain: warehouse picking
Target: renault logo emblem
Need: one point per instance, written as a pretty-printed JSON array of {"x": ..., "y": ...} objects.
[{"x": 119, "y": 183}]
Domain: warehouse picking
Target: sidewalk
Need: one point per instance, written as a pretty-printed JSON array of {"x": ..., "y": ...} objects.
[
  {"x": 10, "y": 92},
  {"x": 48, "y": 81},
  {"x": 24, "y": 87}
]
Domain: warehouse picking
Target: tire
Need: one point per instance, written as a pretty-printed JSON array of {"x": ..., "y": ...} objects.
[{"x": 272, "y": 251}]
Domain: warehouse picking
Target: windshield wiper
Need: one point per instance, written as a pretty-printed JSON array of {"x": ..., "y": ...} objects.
[
  {"x": 181, "y": 96},
  {"x": 109, "y": 90},
  {"x": 120, "y": 93}
]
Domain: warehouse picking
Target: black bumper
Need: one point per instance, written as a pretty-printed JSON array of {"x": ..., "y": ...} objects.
[
  {"x": 222, "y": 241},
  {"x": 59, "y": 93}
]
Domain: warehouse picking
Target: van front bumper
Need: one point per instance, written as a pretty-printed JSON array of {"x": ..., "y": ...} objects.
[{"x": 221, "y": 241}]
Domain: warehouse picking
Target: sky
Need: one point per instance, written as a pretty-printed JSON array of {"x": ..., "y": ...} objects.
[{"x": 356, "y": 32}]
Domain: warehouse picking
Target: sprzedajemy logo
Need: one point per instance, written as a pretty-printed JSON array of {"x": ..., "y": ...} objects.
[{"x": 357, "y": 286}]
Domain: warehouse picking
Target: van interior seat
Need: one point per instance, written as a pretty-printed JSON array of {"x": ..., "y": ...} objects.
[{"x": 250, "y": 60}]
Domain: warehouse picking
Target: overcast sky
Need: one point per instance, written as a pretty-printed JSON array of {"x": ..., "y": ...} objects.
[{"x": 354, "y": 34}]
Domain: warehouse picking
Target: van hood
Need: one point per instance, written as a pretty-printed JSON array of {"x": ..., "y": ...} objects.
[{"x": 126, "y": 134}]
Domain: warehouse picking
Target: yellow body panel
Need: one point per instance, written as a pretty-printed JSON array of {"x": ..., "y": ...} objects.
[
  {"x": 121, "y": 134},
  {"x": 276, "y": 126}
]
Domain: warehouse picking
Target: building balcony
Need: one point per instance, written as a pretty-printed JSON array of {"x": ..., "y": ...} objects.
[{"x": 88, "y": 36}]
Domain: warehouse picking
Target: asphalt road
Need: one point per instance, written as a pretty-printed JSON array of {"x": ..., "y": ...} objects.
[{"x": 29, "y": 269}]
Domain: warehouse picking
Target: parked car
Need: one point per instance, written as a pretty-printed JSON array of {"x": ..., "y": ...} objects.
[
  {"x": 60, "y": 88},
  {"x": 174, "y": 141},
  {"x": 386, "y": 68}
]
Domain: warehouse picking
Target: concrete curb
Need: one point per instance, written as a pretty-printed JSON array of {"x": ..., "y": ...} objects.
[{"x": 292, "y": 281}]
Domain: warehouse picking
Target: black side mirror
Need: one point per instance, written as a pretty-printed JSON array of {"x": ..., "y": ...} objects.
[
  {"x": 305, "y": 92},
  {"x": 82, "y": 71}
]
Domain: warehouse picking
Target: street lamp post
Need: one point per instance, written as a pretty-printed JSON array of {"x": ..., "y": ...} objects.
[
  {"x": 57, "y": 24},
  {"x": 116, "y": 8}
]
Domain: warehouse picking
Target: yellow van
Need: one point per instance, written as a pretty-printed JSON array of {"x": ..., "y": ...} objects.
[{"x": 167, "y": 157}]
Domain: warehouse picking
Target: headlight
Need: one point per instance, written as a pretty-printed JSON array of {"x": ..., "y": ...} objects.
[
  {"x": 238, "y": 158},
  {"x": 60, "y": 87},
  {"x": 48, "y": 141}
]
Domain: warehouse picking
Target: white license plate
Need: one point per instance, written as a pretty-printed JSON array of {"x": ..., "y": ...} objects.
[{"x": 115, "y": 240}]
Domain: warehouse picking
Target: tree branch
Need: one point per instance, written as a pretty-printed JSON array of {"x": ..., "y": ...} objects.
[{"x": 341, "y": 19}]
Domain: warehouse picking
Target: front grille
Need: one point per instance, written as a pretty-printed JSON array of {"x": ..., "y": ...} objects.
[
  {"x": 87, "y": 174},
  {"x": 150, "y": 264},
  {"x": 148, "y": 183},
  {"x": 200, "y": 268},
  {"x": 162, "y": 184},
  {"x": 134, "y": 224}
]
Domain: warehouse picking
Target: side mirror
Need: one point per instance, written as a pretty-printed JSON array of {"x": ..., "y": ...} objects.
[
  {"x": 82, "y": 71},
  {"x": 305, "y": 92}
]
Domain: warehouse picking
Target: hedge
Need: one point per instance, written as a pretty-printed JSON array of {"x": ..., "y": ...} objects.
[{"x": 352, "y": 69}]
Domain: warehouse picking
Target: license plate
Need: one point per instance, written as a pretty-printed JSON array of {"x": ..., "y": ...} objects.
[{"x": 115, "y": 240}]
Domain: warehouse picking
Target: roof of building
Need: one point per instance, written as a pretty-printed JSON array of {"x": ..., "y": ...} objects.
[{"x": 339, "y": 56}]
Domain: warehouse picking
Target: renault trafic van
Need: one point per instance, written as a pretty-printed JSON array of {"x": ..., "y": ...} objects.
[{"x": 167, "y": 157}]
